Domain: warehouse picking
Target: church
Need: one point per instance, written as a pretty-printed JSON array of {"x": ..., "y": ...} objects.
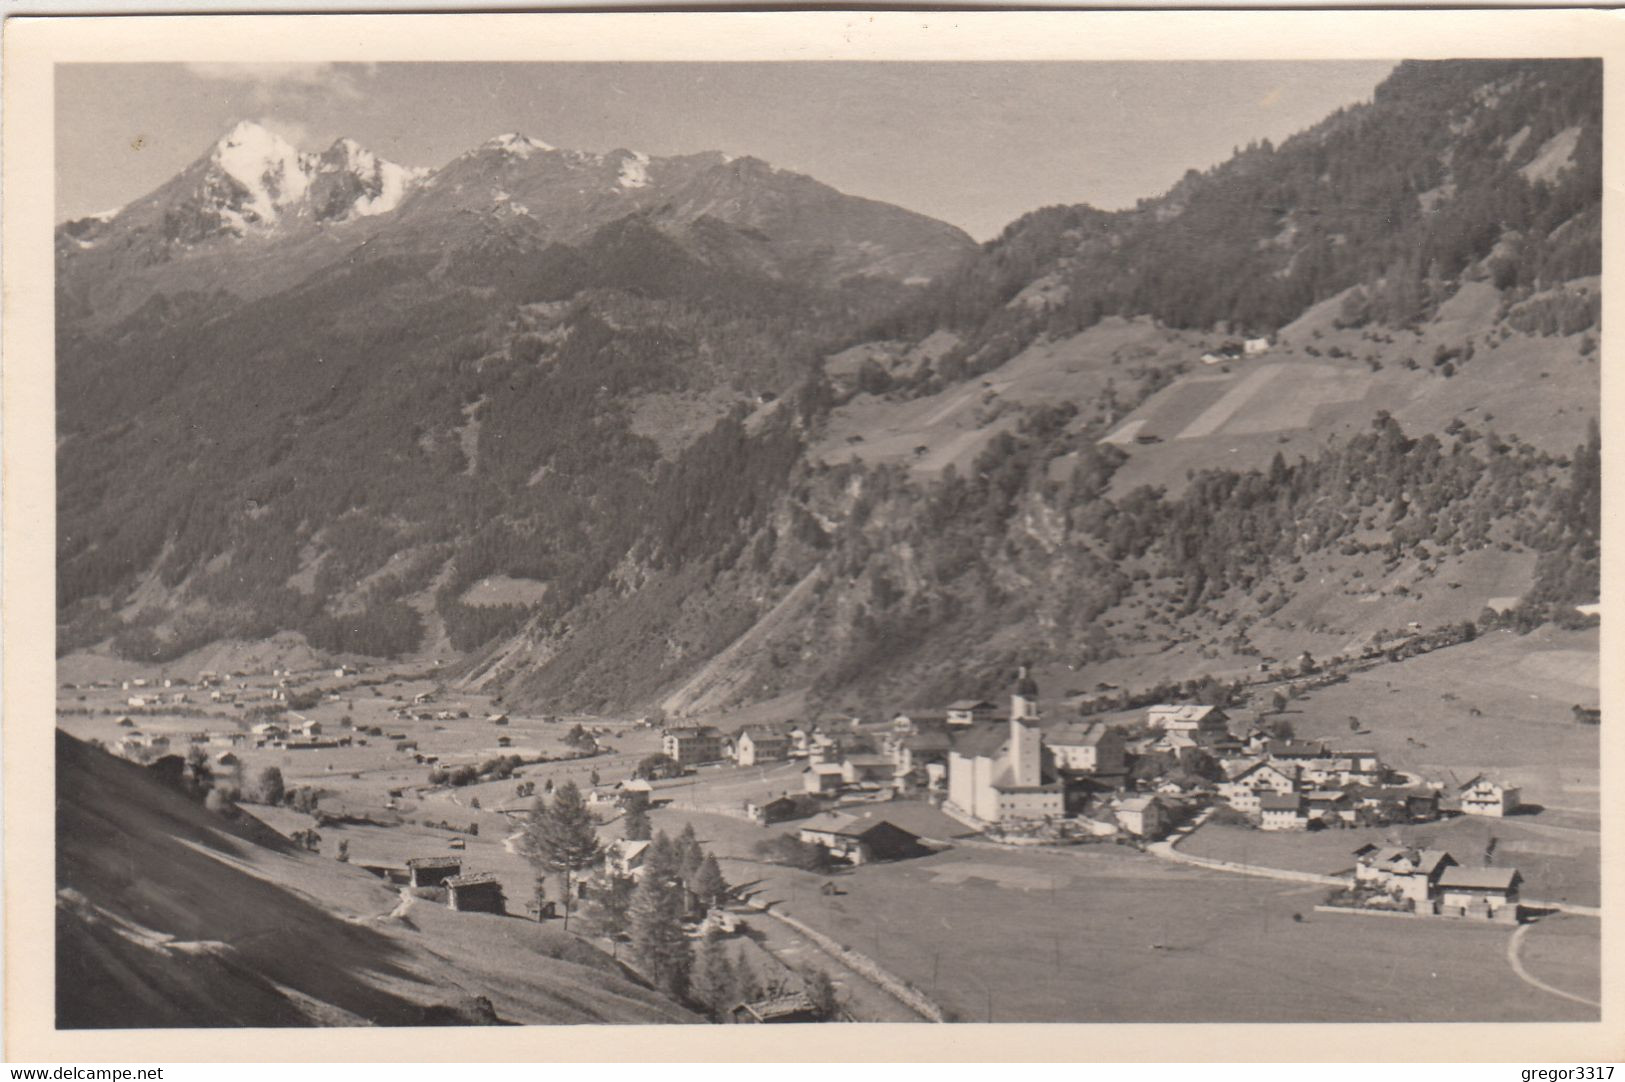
[{"x": 996, "y": 770}]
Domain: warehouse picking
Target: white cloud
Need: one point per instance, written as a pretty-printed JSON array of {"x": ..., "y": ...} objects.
[{"x": 271, "y": 82}]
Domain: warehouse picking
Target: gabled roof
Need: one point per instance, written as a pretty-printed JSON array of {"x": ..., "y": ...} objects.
[
  {"x": 1481, "y": 779},
  {"x": 829, "y": 822},
  {"x": 1296, "y": 749},
  {"x": 862, "y": 828},
  {"x": 627, "y": 849},
  {"x": 1075, "y": 734},
  {"x": 981, "y": 740},
  {"x": 868, "y": 760},
  {"x": 472, "y": 880},
  {"x": 434, "y": 862},
  {"x": 1280, "y": 802},
  {"x": 970, "y": 704},
  {"x": 823, "y": 768},
  {"x": 1185, "y": 711},
  {"x": 1235, "y": 768},
  {"x": 759, "y": 733},
  {"x": 779, "y": 1006},
  {"x": 930, "y": 740},
  {"x": 1262, "y": 764},
  {"x": 1480, "y": 878}
]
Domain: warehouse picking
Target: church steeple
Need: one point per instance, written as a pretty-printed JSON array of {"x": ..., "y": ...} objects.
[
  {"x": 1026, "y": 745},
  {"x": 1024, "y": 695}
]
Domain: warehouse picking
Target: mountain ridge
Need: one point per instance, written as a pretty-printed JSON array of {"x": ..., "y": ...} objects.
[{"x": 661, "y": 425}]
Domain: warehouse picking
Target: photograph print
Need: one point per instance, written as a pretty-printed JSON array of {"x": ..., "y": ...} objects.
[{"x": 576, "y": 543}]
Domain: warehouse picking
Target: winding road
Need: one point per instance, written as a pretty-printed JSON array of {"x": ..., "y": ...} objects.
[{"x": 1514, "y": 945}]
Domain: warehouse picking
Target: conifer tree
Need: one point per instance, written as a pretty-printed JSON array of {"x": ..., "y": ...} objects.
[
  {"x": 562, "y": 837},
  {"x": 714, "y": 978},
  {"x": 708, "y": 882},
  {"x": 820, "y": 992},
  {"x": 658, "y": 941},
  {"x": 636, "y": 828}
]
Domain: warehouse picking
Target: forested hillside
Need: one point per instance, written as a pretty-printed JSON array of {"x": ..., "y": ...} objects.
[
  {"x": 1450, "y": 165},
  {"x": 595, "y": 469}
]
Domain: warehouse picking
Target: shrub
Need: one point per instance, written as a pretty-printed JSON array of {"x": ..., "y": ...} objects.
[{"x": 790, "y": 850}]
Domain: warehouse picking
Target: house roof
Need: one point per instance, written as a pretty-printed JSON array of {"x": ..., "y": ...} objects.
[
  {"x": 778, "y": 1006},
  {"x": 1074, "y": 734},
  {"x": 830, "y": 823},
  {"x": 474, "y": 879},
  {"x": 1235, "y": 768},
  {"x": 1138, "y": 803},
  {"x": 1481, "y": 779},
  {"x": 758, "y": 733},
  {"x": 982, "y": 741},
  {"x": 860, "y": 828},
  {"x": 970, "y": 704},
  {"x": 932, "y": 740},
  {"x": 434, "y": 862},
  {"x": 1296, "y": 749},
  {"x": 1185, "y": 711},
  {"x": 824, "y": 768},
  {"x": 868, "y": 760},
  {"x": 1280, "y": 802},
  {"x": 1480, "y": 878},
  {"x": 628, "y": 849}
]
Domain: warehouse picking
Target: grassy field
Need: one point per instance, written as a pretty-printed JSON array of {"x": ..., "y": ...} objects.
[
  {"x": 1301, "y": 394},
  {"x": 1558, "y": 865},
  {"x": 1562, "y": 951},
  {"x": 1101, "y": 933},
  {"x": 1419, "y": 715}
]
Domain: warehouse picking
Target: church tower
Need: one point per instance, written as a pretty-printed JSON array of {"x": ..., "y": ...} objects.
[{"x": 1026, "y": 741}]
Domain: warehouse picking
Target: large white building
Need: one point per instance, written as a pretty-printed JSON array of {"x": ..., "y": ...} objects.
[{"x": 995, "y": 772}]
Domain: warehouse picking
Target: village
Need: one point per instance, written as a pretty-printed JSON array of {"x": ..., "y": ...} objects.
[{"x": 397, "y": 773}]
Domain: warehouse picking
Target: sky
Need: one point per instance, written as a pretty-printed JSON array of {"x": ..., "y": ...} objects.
[{"x": 977, "y": 144}]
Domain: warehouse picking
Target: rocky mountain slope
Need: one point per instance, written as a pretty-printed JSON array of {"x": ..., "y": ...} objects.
[{"x": 719, "y": 434}]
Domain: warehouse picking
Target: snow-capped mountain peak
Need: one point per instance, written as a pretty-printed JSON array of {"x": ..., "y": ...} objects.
[
  {"x": 520, "y": 146},
  {"x": 375, "y": 185},
  {"x": 271, "y": 173},
  {"x": 634, "y": 170}
]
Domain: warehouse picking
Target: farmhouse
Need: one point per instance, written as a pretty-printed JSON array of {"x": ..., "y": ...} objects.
[
  {"x": 822, "y": 778},
  {"x": 776, "y": 810},
  {"x": 433, "y": 871},
  {"x": 926, "y": 750},
  {"x": 1294, "y": 751},
  {"x": 1406, "y": 873},
  {"x": 1282, "y": 812},
  {"x": 1330, "y": 806},
  {"x": 1244, "y": 787},
  {"x": 860, "y": 841},
  {"x": 1144, "y": 817},
  {"x": 1187, "y": 718},
  {"x": 625, "y": 857},
  {"x": 477, "y": 893},
  {"x": 867, "y": 769},
  {"x": 1483, "y": 796},
  {"x": 692, "y": 744},
  {"x": 969, "y": 712},
  {"x": 758, "y": 744},
  {"x": 1086, "y": 748},
  {"x": 792, "y": 1007},
  {"x": 1482, "y": 893}
]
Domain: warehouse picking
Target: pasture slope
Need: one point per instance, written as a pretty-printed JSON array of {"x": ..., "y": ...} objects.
[
  {"x": 1502, "y": 704},
  {"x": 169, "y": 915},
  {"x": 1321, "y": 382}
]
